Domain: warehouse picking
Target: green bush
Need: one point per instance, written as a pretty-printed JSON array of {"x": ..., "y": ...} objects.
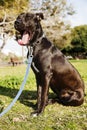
[{"x": 10, "y": 81}]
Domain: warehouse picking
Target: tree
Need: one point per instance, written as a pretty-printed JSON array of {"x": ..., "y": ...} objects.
[
  {"x": 78, "y": 41},
  {"x": 54, "y": 10},
  {"x": 10, "y": 10},
  {"x": 79, "y": 37},
  {"x": 55, "y": 24}
]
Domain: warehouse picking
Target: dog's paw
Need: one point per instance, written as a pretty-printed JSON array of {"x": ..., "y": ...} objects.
[{"x": 34, "y": 114}]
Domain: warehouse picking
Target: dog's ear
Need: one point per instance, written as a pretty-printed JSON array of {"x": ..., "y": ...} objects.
[{"x": 39, "y": 16}]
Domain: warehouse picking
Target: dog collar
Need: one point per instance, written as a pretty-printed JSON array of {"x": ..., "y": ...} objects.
[
  {"x": 30, "y": 47},
  {"x": 38, "y": 41}
]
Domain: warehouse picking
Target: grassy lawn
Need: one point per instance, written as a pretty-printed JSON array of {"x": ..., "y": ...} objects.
[{"x": 55, "y": 116}]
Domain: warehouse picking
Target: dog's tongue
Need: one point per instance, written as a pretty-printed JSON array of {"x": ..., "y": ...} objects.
[{"x": 25, "y": 39}]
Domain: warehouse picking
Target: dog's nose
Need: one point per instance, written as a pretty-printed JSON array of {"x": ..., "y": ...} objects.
[{"x": 17, "y": 22}]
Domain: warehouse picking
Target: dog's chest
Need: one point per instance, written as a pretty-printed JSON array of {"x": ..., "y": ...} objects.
[{"x": 42, "y": 61}]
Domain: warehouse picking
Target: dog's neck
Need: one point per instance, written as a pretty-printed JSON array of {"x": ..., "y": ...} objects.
[{"x": 38, "y": 41}]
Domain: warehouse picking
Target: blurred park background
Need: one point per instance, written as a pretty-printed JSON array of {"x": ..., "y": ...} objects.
[{"x": 65, "y": 24}]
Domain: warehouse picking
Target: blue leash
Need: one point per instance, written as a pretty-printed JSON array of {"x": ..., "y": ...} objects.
[{"x": 21, "y": 88}]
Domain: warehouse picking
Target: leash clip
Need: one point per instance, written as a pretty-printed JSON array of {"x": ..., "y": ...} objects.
[
  {"x": 31, "y": 51},
  {"x": 29, "y": 54}
]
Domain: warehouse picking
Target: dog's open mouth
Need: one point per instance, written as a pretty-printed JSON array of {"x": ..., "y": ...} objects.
[{"x": 26, "y": 37}]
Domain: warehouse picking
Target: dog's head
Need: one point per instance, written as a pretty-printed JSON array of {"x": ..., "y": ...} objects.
[{"x": 28, "y": 25}]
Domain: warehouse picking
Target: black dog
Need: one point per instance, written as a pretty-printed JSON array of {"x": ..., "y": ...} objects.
[{"x": 53, "y": 68}]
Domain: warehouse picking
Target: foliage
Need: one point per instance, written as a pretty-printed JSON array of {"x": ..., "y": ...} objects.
[
  {"x": 9, "y": 11},
  {"x": 78, "y": 42},
  {"x": 4, "y": 2},
  {"x": 79, "y": 37},
  {"x": 55, "y": 12},
  {"x": 11, "y": 81},
  {"x": 55, "y": 116}
]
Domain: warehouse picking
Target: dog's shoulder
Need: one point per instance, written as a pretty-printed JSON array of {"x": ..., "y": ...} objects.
[{"x": 56, "y": 51}]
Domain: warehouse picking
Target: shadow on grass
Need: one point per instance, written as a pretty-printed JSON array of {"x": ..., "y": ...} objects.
[{"x": 26, "y": 97}]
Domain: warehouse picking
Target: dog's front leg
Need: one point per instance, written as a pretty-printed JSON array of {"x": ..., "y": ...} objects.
[
  {"x": 39, "y": 91},
  {"x": 44, "y": 92}
]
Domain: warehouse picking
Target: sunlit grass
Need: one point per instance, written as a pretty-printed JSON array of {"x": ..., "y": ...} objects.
[
  {"x": 81, "y": 66},
  {"x": 55, "y": 116}
]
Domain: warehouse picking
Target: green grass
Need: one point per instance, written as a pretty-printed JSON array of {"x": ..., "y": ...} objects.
[{"x": 55, "y": 116}]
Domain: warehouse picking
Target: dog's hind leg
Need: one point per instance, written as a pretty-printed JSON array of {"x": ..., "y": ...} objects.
[{"x": 72, "y": 98}]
